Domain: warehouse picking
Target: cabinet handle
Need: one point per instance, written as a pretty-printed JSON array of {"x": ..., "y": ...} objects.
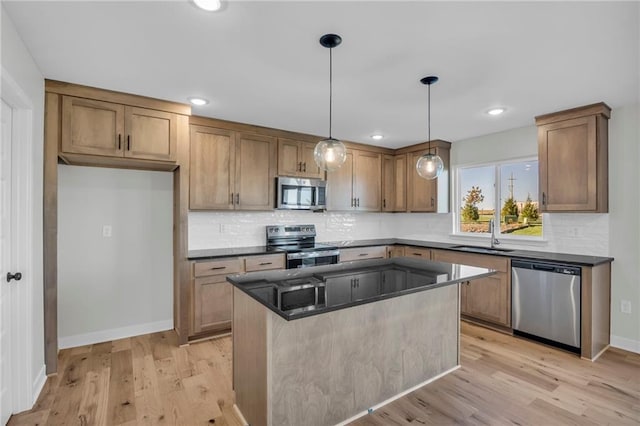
[
  {"x": 417, "y": 254},
  {"x": 362, "y": 254},
  {"x": 305, "y": 166},
  {"x": 299, "y": 167},
  {"x": 218, "y": 268},
  {"x": 265, "y": 263},
  {"x": 231, "y": 198},
  {"x": 119, "y": 141},
  {"x": 384, "y": 203},
  {"x": 432, "y": 201},
  {"x": 353, "y": 202},
  {"x": 544, "y": 199},
  {"x": 358, "y": 202},
  {"x": 238, "y": 198},
  {"x": 128, "y": 142}
]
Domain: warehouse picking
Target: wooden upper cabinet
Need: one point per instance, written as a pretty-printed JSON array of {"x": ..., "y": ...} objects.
[
  {"x": 255, "y": 172},
  {"x": 92, "y": 127},
  {"x": 357, "y": 184},
  {"x": 340, "y": 186},
  {"x": 212, "y": 174},
  {"x": 231, "y": 171},
  {"x": 151, "y": 135},
  {"x": 367, "y": 181},
  {"x": 295, "y": 158},
  {"x": 110, "y": 129},
  {"x": 394, "y": 183},
  {"x": 573, "y": 159},
  {"x": 424, "y": 195}
]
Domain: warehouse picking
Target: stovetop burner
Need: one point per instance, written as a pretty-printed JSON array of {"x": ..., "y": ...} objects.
[{"x": 299, "y": 242}]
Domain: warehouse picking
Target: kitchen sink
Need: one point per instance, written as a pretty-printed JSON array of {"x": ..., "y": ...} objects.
[{"x": 479, "y": 249}]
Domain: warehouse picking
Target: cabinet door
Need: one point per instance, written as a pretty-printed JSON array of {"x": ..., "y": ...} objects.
[
  {"x": 365, "y": 285},
  {"x": 400, "y": 182},
  {"x": 421, "y": 193},
  {"x": 340, "y": 186},
  {"x": 151, "y": 134},
  {"x": 418, "y": 252},
  {"x": 486, "y": 299},
  {"x": 396, "y": 251},
  {"x": 92, "y": 127},
  {"x": 289, "y": 163},
  {"x": 309, "y": 167},
  {"x": 255, "y": 172},
  {"x": 213, "y": 304},
  {"x": 367, "y": 181},
  {"x": 212, "y": 172},
  {"x": 388, "y": 183},
  {"x": 568, "y": 165},
  {"x": 338, "y": 290}
]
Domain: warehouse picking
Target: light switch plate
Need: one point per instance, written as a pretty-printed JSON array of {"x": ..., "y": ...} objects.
[
  {"x": 625, "y": 306},
  {"x": 106, "y": 231}
]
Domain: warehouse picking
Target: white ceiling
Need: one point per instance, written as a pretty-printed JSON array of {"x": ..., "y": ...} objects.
[{"x": 261, "y": 63}]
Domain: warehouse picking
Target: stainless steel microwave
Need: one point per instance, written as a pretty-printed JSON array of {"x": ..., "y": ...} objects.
[{"x": 301, "y": 194}]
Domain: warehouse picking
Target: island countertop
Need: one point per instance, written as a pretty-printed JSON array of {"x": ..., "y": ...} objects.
[{"x": 299, "y": 293}]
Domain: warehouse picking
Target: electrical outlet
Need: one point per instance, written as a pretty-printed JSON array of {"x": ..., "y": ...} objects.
[
  {"x": 106, "y": 231},
  {"x": 625, "y": 306}
]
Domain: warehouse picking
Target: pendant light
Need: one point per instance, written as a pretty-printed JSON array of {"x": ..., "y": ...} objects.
[
  {"x": 330, "y": 154},
  {"x": 429, "y": 166}
]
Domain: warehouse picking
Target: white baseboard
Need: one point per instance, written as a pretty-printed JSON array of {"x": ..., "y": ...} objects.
[
  {"x": 38, "y": 384},
  {"x": 626, "y": 344},
  {"x": 398, "y": 396},
  {"x": 113, "y": 334}
]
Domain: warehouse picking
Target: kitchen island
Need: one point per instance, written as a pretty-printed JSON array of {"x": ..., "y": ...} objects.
[{"x": 322, "y": 345}]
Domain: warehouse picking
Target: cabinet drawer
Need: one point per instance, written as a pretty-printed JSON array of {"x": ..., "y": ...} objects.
[
  {"x": 396, "y": 251},
  {"x": 217, "y": 267},
  {"x": 418, "y": 252},
  {"x": 264, "y": 263},
  {"x": 483, "y": 261},
  {"x": 378, "y": 252}
]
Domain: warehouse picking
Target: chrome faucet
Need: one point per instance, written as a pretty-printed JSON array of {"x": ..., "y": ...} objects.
[{"x": 492, "y": 229}]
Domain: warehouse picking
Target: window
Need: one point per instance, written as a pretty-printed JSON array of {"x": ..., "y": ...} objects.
[{"x": 506, "y": 192}]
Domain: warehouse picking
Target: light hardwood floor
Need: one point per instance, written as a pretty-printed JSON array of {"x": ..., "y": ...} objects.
[{"x": 503, "y": 380}]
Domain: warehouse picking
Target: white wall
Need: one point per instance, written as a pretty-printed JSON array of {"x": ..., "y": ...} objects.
[
  {"x": 615, "y": 234},
  {"x": 21, "y": 68},
  {"x": 120, "y": 286}
]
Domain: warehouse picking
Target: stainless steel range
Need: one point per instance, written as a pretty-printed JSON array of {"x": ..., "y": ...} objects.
[{"x": 299, "y": 242}]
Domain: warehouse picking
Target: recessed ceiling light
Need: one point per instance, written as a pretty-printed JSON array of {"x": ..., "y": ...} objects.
[
  {"x": 198, "y": 101},
  {"x": 208, "y": 5},
  {"x": 377, "y": 137},
  {"x": 496, "y": 111}
]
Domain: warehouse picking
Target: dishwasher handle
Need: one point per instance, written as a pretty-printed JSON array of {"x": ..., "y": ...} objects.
[{"x": 547, "y": 267}]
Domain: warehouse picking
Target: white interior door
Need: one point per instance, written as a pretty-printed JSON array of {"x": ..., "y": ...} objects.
[{"x": 7, "y": 223}]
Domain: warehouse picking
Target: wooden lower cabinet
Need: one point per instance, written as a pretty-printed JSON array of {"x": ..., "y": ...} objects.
[
  {"x": 395, "y": 251},
  {"x": 212, "y": 295},
  {"x": 363, "y": 253},
  {"x": 486, "y": 299},
  {"x": 417, "y": 252}
]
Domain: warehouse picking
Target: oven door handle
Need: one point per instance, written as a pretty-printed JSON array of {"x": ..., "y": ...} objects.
[{"x": 312, "y": 254}]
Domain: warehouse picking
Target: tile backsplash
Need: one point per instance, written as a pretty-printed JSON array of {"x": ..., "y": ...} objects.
[{"x": 564, "y": 233}]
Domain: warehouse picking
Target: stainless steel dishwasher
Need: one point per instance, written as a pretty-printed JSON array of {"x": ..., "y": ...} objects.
[{"x": 546, "y": 303}]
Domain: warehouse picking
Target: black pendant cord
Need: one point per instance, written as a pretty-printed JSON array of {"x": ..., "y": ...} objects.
[
  {"x": 429, "y": 116},
  {"x": 330, "y": 89}
]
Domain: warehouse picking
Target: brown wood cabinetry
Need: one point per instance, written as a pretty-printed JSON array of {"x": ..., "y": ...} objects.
[
  {"x": 425, "y": 195},
  {"x": 357, "y": 184},
  {"x": 212, "y": 304},
  {"x": 231, "y": 171},
  {"x": 395, "y": 251},
  {"x": 394, "y": 183},
  {"x": 362, "y": 253},
  {"x": 418, "y": 252},
  {"x": 212, "y": 300},
  {"x": 295, "y": 158},
  {"x": 95, "y": 127},
  {"x": 572, "y": 152},
  {"x": 486, "y": 299}
]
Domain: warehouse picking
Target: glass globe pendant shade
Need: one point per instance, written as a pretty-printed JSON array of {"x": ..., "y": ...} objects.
[
  {"x": 429, "y": 166},
  {"x": 330, "y": 154}
]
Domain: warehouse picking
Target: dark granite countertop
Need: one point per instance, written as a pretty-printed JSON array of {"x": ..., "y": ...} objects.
[
  {"x": 572, "y": 259},
  {"x": 299, "y": 293}
]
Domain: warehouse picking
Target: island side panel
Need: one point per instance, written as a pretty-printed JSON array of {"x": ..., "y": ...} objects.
[
  {"x": 250, "y": 358},
  {"x": 327, "y": 368}
]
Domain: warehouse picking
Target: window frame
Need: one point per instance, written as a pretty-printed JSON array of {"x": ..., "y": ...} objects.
[{"x": 457, "y": 197}]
